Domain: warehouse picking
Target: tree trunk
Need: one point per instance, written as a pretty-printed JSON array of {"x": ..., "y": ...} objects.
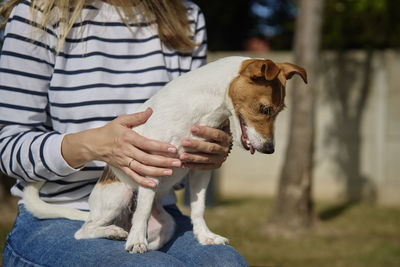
[{"x": 294, "y": 207}]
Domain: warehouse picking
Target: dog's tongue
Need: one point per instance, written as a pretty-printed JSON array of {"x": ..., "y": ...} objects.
[
  {"x": 244, "y": 138},
  {"x": 247, "y": 144}
]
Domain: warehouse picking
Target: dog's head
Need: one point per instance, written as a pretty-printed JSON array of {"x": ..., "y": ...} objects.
[{"x": 258, "y": 95}]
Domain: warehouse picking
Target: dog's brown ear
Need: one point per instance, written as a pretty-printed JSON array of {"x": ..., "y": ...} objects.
[
  {"x": 271, "y": 70},
  {"x": 252, "y": 68},
  {"x": 289, "y": 70},
  {"x": 259, "y": 68}
]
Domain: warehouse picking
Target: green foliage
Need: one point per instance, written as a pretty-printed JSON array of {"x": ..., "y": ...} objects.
[
  {"x": 348, "y": 24},
  {"x": 363, "y": 24}
]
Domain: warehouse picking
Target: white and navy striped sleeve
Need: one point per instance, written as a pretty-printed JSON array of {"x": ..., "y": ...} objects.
[{"x": 30, "y": 149}]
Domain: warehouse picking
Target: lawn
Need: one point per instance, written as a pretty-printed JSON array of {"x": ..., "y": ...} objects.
[{"x": 357, "y": 235}]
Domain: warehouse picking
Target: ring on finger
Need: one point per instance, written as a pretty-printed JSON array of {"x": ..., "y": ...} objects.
[{"x": 130, "y": 163}]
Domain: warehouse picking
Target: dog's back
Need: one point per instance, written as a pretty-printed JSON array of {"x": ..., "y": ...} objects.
[{"x": 194, "y": 98}]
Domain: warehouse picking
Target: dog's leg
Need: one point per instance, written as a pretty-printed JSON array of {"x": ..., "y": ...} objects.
[
  {"x": 95, "y": 229},
  {"x": 161, "y": 226},
  {"x": 137, "y": 241},
  {"x": 107, "y": 203},
  {"x": 198, "y": 185}
]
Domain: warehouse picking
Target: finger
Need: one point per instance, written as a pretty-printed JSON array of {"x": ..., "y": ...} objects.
[
  {"x": 135, "y": 119},
  {"x": 205, "y": 147},
  {"x": 226, "y": 127},
  {"x": 143, "y": 181},
  {"x": 151, "y": 145},
  {"x": 145, "y": 170},
  {"x": 213, "y": 134},
  {"x": 154, "y": 160}
]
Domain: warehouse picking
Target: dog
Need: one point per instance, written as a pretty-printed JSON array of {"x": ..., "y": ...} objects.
[{"x": 249, "y": 92}]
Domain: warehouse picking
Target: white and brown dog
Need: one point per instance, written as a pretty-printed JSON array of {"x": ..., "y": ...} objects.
[{"x": 249, "y": 91}]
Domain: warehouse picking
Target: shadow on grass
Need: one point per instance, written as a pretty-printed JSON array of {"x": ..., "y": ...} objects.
[{"x": 334, "y": 211}]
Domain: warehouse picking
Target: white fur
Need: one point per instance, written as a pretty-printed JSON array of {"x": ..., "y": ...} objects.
[
  {"x": 256, "y": 140},
  {"x": 43, "y": 210},
  {"x": 199, "y": 97}
]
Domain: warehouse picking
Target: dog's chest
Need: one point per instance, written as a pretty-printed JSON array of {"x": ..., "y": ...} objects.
[{"x": 167, "y": 183}]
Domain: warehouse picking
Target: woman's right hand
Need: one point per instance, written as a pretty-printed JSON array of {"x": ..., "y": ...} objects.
[{"x": 118, "y": 145}]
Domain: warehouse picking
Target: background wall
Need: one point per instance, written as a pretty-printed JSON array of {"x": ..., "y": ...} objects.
[{"x": 357, "y": 147}]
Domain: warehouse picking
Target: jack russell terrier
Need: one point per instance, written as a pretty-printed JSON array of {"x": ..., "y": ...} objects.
[{"x": 249, "y": 91}]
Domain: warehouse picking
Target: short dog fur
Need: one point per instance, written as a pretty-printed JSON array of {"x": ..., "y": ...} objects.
[{"x": 250, "y": 92}]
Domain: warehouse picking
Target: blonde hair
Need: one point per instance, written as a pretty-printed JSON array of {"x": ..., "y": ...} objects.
[{"x": 169, "y": 15}]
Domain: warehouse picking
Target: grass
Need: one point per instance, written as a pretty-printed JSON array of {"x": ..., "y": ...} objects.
[
  {"x": 358, "y": 235},
  {"x": 8, "y": 211}
]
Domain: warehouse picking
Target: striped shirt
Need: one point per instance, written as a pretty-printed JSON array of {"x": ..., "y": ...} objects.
[{"x": 102, "y": 71}]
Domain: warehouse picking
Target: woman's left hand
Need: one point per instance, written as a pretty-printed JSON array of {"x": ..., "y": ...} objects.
[{"x": 207, "y": 155}]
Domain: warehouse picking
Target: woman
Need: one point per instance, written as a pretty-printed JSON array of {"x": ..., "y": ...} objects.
[{"x": 68, "y": 70}]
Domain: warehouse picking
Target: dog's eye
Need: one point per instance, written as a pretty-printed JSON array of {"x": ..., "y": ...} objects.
[{"x": 265, "y": 109}]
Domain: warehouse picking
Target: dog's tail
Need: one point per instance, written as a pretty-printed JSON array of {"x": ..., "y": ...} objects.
[{"x": 43, "y": 210}]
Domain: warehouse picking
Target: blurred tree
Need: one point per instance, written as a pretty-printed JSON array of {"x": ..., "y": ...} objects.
[{"x": 294, "y": 208}]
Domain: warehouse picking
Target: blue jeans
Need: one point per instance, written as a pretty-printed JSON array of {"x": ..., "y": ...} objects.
[{"x": 34, "y": 242}]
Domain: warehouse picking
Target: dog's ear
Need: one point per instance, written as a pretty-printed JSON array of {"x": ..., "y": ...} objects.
[
  {"x": 289, "y": 70},
  {"x": 258, "y": 68},
  {"x": 270, "y": 69},
  {"x": 253, "y": 69}
]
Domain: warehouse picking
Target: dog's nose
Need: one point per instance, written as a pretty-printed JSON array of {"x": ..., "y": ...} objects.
[{"x": 268, "y": 148}]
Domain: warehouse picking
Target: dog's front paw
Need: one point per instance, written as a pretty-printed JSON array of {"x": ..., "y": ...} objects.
[
  {"x": 139, "y": 248},
  {"x": 136, "y": 248},
  {"x": 136, "y": 245},
  {"x": 211, "y": 239}
]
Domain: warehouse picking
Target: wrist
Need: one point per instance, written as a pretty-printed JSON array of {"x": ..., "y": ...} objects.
[{"x": 76, "y": 149}]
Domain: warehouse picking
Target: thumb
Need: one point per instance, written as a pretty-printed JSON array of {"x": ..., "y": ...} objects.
[{"x": 135, "y": 119}]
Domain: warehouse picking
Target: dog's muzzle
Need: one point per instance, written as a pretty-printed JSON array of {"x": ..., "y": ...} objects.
[{"x": 268, "y": 148}]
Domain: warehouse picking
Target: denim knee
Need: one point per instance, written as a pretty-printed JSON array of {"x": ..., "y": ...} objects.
[
  {"x": 223, "y": 255},
  {"x": 12, "y": 259},
  {"x": 188, "y": 250}
]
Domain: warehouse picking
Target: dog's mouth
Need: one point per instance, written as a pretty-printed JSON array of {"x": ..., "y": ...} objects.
[{"x": 244, "y": 138}]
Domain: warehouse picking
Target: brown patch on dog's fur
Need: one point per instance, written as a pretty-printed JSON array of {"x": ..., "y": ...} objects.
[
  {"x": 108, "y": 177},
  {"x": 267, "y": 80}
]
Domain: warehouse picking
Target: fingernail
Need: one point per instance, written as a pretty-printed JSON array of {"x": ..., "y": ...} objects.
[
  {"x": 195, "y": 129},
  {"x": 186, "y": 143},
  {"x": 184, "y": 156},
  {"x": 176, "y": 163},
  {"x": 148, "y": 110},
  {"x": 152, "y": 184},
  {"x": 172, "y": 149},
  {"x": 167, "y": 172}
]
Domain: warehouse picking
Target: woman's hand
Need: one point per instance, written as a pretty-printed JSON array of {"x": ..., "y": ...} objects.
[
  {"x": 118, "y": 145},
  {"x": 209, "y": 154}
]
